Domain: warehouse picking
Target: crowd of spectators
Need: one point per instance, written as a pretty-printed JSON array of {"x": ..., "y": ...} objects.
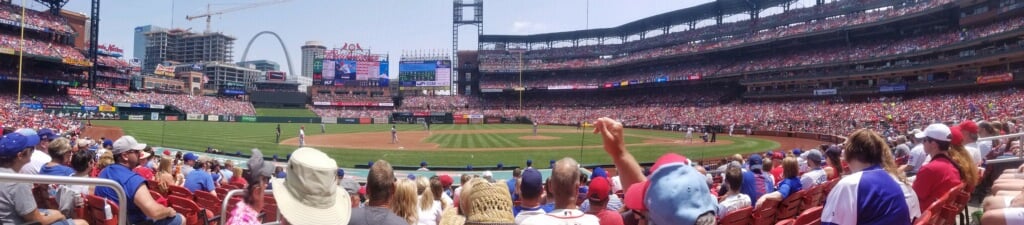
[
  {"x": 111, "y": 61},
  {"x": 440, "y": 102},
  {"x": 503, "y": 61},
  {"x": 186, "y": 103},
  {"x": 42, "y": 48},
  {"x": 43, "y": 20},
  {"x": 13, "y": 115},
  {"x": 352, "y": 112},
  {"x": 350, "y": 98}
]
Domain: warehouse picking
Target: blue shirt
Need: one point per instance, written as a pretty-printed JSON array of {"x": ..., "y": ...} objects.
[
  {"x": 867, "y": 197},
  {"x": 749, "y": 186},
  {"x": 512, "y": 188},
  {"x": 58, "y": 170},
  {"x": 128, "y": 180},
  {"x": 199, "y": 180},
  {"x": 789, "y": 186}
]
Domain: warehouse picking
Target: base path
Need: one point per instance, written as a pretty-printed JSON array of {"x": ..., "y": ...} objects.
[
  {"x": 417, "y": 140},
  {"x": 97, "y": 132}
]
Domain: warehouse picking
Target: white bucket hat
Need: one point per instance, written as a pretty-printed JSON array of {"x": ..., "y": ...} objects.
[{"x": 310, "y": 195}]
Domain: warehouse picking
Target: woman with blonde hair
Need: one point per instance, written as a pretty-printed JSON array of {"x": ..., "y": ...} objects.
[
  {"x": 404, "y": 201},
  {"x": 164, "y": 175},
  {"x": 429, "y": 205}
]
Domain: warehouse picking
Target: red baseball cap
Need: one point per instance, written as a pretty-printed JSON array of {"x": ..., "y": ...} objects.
[
  {"x": 599, "y": 190},
  {"x": 446, "y": 181},
  {"x": 635, "y": 194},
  {"x": 968, "y": 126},
  {"x": 956, "y": 135}
]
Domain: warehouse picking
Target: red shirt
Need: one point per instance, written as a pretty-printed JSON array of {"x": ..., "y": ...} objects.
[
  {"x": 935, "y": 179},
  {"x": 608, "y": 217},
  {"x": 144, "y": 172},
  {"x": 777, "y": 174},
  {"x": 239, "y": 180}
]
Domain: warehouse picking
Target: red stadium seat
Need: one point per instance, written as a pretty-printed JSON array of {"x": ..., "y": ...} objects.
[
  {"x": 738, "y": 217},
  {"x": 222, "y": 192},
  {"x": 95, "y": 207},
  {"x": 194, "y": 215},
  {"x": 179, "y": 191},
  {"x": 790, "y": 207},
  {"x": 812, "y": 197},
  {"x": 765, "y": 213},
  {"x": 208, "y": 201}
]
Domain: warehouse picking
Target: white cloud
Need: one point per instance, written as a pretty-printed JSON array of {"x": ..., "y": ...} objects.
[{"x": 521, "y": 27}]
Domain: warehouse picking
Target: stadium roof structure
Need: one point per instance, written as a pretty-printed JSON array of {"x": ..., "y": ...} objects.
[
  {"x": 715, "y": 9},
  {"x": 54, "y": 6}
]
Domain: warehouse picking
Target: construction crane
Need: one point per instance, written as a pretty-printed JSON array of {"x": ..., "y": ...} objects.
[{"x": 208, "y": 14}]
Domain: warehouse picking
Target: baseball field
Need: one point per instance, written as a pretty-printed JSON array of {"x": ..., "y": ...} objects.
[{"x": 443, "y": 145}]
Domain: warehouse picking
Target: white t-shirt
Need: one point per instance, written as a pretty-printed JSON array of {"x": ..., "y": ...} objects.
[
  {"x": 812, "y": 178},
  {"x": 976, "y": 156},
  {"x": 39, "y": 159},
  {"x": 912, "y": 202},
  {"x": 302, "y": 133},
  {"x": 917, "y": 157},
  {"x": 733, "y": 203},
  {"x": 984, "y": 147},
  {"x": 430, "y": 216},
  {"x": 562, "y": 217},
  {"x": 527, "y": 213}
]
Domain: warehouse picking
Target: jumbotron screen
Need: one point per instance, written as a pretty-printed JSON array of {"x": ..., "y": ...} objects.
[
  {"x": 335, "y": 72},
  {"x": 435, "y": 73}
]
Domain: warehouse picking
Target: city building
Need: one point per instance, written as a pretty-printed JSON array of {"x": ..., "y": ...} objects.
[
  {"x": 185, "y": 47},
  {"x": 139, "y": 50},
  {"x": 79, "y": 24},
  {"x": 263, "y": 65},
  {"x": 228, "y": 73},
  {"x": 311, "y": 51}
]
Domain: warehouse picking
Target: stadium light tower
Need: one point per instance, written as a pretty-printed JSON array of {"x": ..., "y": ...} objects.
[{"x": 458, "y": 21}]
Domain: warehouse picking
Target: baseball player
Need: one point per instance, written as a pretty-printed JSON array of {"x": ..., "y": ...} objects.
[
  {"x": 302, "y": 136},
  {"x": 278, "y": 134},
  {"x": 689, "y": 134},
  {"x": 394, "y": 135},
  {"x": 730, "y": 129},
  {"x": 323, "y": 128},
  {"x": 535, "y": 128}
]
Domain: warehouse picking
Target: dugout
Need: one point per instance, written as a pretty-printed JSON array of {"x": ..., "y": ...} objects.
[
  {"x": 278, "y": 94},
  {"x": 420, "y": 117}
]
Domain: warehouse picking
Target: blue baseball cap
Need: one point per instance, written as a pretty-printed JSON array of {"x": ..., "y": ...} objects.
[
  {"x": 341, "y": 172},
  {"x": 797, "y": 151},
  {"x": 529, "y": 162},
  {"x": 755, "y": 162},
  {"x": 46, "y": 133},
  {"x": 423, "y": 163},
  {"x": 678, "y": 190},
  {"x": 108, "y": 143},
  {"x": 190, "y": 157},
  {"x": 31, "y": 134},
  {"x": 412, "y": 176},
  {"x": 15, "y": 143},
  {"x": 532, "y": 183},
  {"x": 598, "y": 172}
]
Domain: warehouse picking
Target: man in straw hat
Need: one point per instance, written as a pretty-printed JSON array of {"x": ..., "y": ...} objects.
[
  {"x": 309, "y": 195},
  {"x": 490, "y": 204},
  {"x": 564, "y": 182},
  {"x": 380, "y": 187}
]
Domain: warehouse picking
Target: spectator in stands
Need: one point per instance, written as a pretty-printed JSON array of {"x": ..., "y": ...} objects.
[
  {"x": 429, "y": 207},
  {"x": 598, "y": 195},
  {"x": 940, "y": 175},
  {"x": 141, "y": 206},
  {"x": 437, "y": 190},
  {"x": 82, "y": 162},
  {"x": 228, "y": 171},
  {"x": 403, "y": 202},
  {"x": 756, "y": 182},
  {"x": 144, "y": 159},
  {"x": 614, "y": 202},
  {"x": 189, "y": 163},
  {"x": 790, "y": 181},
  {"x": 511, "y": 183},
  {"x": 834, "y": 167},
  {"x": 39, "y": 156},
  {"x": 815, "y": 175},
  {"x": 970, "y": 131},
  {"x": 105, "y": 160},
  {"x": 60, "y": 151},
  {"x": 564, "y": 182},
  {"x": 380, "y": 187},
  {"x": 238, "y": 179},
  {"x": 310, "y": 195},
  {"x": 247, "y": 212},
  {"x": 457, "y": 194},
  {"x": 961, "y": 156},
  {"x": 917, "y": 154},
  {"x": 16, "y": 203},
  {"x": 200, "y": 179},
  {"x": 868, "y": 182},
  {"x": 164, "y": 175},
  {"x": 733, "y": 199},
  {"x": 530, "y": 190},
  {"x": 423, "y": 166}
]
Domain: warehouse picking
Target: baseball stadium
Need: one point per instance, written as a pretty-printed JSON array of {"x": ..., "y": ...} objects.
[{"x": 732, "y": 112}]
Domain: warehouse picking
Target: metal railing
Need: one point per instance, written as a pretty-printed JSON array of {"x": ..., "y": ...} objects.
[
  {"x": 122, "y": 211},
  {"x": 227, "y": 197}
]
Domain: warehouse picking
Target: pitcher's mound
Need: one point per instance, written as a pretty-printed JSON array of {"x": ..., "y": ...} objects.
[{"x": 540, "y": 137}]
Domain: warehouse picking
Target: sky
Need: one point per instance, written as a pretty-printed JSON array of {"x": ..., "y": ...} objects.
[{"x": 384, "y": 26}]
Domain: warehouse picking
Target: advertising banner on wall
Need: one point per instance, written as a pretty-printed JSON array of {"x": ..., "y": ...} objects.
[
  {"x": 998, "y": 78},
  {"x": 329, "y": 120},
  {"x": 154, "y": 116},
  {"x": 194, "y": 117},
  {"x": 155, "y": 106},
  {"x": 248, "y": 119},
  {"x": 820, "y": 92},
  {"x": 107, "y": 108},
  {"x": 171, "y": 118},
  {"x": 892, "y": 88},
  {"x": 90, "y": 108},
  {"x": 213, "y": 118},
  {"x": 136, "y": 117}
]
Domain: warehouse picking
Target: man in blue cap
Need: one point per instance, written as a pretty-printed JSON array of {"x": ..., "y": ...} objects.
[
  {"x": 40, "y": 156},
  {"x": 190, "y": 163},
  {"x": 529, "y": 164},
  {"x": 423, "y": 166},
  {"x": 17, "y": 206}
]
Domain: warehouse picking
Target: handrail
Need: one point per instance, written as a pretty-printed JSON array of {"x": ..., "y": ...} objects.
[
  {"x": 232, "y": 193},
  {"x": 1001, "y": 137},
  {"x": 24, "y": 178}
]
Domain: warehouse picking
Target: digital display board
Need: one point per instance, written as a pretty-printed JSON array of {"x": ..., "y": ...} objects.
[
  {"x": 434, "y": 73},
  {"x": 336, "y": 72}
]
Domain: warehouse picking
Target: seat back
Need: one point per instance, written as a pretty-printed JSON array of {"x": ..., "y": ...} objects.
[
  {"x": 188, "y": 209},
  {"x": 812, "y": 197},
  {"x": 221, "y": 192},
  {"x": 97, "y": 215},
  {"x": 269, "y": 208},
  {"x": 790, "y": 206},
  {"x": 738, "y": 217},
  {"x": 179, "y": 191},
  {"x": 764, "y": 214},
  {"x": 208, "y": 201},
  {"x": 809, "y": 216}
]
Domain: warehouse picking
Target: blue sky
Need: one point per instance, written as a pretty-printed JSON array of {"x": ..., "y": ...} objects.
[{"x": 385, "y": 26}]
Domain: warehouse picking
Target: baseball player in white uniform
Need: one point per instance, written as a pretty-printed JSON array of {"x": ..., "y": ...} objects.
[
  {"x": 731, "y": 128},
  {"x": 689, "y": 134},
  {"x": 394, "y": 135},
  {"x": 302, "y": 136}
]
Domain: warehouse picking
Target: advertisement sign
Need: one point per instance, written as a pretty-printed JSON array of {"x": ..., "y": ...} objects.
[
  {"x": 213, "y": 118},
  {"x": 321, "y": 103},
  {"x": 154, "y": 116},
  {"x": 693, "y": 77},
  {"x": 155, "y": 106},
  {"x": 140, "y": 105},
  {"x": 820, "y": 92},
  {"x": 476, "y": 116},
  {"x": 90, "y": 108},
  {"x": 32, "y": 105},
  {"x": 892, "y": 88},
  {"x": 421, "y": 113},
  {"x": 348, "y": 120},
  {"x": 248, "y": 119},
  {"x": 992, "y": 79},
  {"x": 491, "y": 90},
  {"x": 79, "y": 91},
  {"x": 386, "y": 104},
  {"x": 122, "y": 104},
  {"x": 329, "y": 120},
  {"x": 107, "y": 108},
  {"x": 164, "y": 70},
  {"x": 194, "y": 117},
  {"x": 77, "y": 62},
  {"x": 52, "y": 106},
  {"x": 365, "y": 120},
  {"x": 425, "y": 73},
  {"x": 135, "y": 117},
  {"x": 561, "y": 87},
  {"x": 171, "y": 118},
  {"x": 276, "y": 76}
]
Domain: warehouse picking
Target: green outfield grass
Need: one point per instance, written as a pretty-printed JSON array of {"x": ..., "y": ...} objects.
[
  {"x": 232, "y": 137},
  {"x": 284, "y": 112}
]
